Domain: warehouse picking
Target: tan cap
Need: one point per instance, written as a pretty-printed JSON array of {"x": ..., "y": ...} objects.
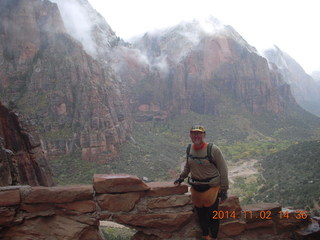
[{"x": 197, "y": 128}]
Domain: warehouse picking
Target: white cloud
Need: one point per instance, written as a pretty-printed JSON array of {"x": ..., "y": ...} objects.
[
  {"x": 77, "y": 23},
  {"x": 290, "y": 24}
]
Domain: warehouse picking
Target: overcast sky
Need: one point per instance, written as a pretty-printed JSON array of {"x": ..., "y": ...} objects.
[{"x": 292, "y": 25}]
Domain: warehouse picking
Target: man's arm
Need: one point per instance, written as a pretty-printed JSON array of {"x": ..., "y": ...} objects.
[
  {"x": 222, "y": 167},
  {"x": 184, "y": 173}
]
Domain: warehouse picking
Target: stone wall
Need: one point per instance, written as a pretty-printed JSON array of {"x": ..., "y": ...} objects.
[{"x": 157, "y": 210}]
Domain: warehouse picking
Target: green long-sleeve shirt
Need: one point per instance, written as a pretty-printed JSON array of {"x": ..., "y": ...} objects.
[{"x": 201, "y": 169}]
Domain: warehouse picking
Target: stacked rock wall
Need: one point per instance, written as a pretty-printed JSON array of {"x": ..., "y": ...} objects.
[{"x": 157, "y": 210}]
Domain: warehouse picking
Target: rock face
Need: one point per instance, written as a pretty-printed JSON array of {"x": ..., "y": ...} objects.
[
  {"x": 161, "y": 211},
  {"x": 304, "y": 88},
  {"x": 22, "y": 160},
  {"x": 186, "y": 68},
  {"x": 76, "y": 102}
]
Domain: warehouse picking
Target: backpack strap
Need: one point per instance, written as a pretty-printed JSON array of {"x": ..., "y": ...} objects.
[
  {"x": 209, "y": 156},
  {"x": 209, "y": 151},
  {"x": 188, "y": 151}
]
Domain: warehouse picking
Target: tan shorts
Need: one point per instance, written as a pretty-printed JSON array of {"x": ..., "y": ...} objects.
[{"x": 204, "y": 199}]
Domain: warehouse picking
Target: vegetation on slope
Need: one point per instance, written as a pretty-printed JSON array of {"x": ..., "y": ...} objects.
[
  {"x": 292, "y": 177},
  {"x": 155, "y": 151}
]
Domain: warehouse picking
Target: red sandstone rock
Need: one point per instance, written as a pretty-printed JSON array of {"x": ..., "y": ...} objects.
[
  {"x": 167, "y": 221},
  {"x": 117, "y": 183},
  {"x": 42, "y": 52},
  {"x": 118, "y": 202},
  {"x": 165, "y": 188},
  {"x": 55, "y": 227},
  {"x": 260, "y": 211},
  {"x": 292, "y": 218},
  {"x": 86, "y": 206},
  {"x": 311, "y": 231},
  {"x": 260, "y": 224},
  {"x": 59, "y": 194},
  {"x": 142, "y": 236},
  {"x": 6, "y": 216},
  {"x": 39, "y": 207},
  {"x": 91, "y": 233},
  {"x": 169, "y": 201},
  {"x": 232, "y": 228},
  {"x": 231, "y": 208},
  {"x": 9, "y": 197},
  {"x": 155, "y": 233},
  {"x": 21, "y": 156}
]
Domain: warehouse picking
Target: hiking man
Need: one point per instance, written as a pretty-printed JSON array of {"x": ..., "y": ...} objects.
[{"x": 209, "y": 180}]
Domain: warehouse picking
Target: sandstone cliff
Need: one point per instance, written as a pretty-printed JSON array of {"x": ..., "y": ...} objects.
[
  {"x": 22, "y": 160},
  {"x": 187, "y": 68},
  {"x": 76, "y": 102},
  {"x": 304, "y": 88}
]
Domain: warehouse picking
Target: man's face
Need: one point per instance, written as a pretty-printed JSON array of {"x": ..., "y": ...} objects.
[{"x": 197, "y": 137}]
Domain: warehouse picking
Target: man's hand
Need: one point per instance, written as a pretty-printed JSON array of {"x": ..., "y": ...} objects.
[
  {"x": 223, "y": 195},
  {"x": 178, "y": 181}
]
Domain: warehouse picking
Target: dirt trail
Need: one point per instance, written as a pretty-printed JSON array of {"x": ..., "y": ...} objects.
[{"x": 244, "y": 168}]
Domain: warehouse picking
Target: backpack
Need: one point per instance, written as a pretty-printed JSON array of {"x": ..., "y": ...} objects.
[{"x": 209, "y": 156}]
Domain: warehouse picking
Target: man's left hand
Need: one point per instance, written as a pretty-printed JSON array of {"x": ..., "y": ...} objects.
[{"x": 223, "y": 195}]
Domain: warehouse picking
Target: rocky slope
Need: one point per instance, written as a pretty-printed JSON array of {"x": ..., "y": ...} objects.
[
  {"x": 304, "y": 88},
  {"x": 22, "y": 160},
  {"x": 205, "y": 67},
  {"x": 316, "y": 76},
  {"x": 76, "y": 102}
]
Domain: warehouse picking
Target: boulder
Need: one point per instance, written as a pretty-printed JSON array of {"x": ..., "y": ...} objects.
[
  {"x": 232, "y": 228},
  {"x": 118, "y": 183},
  {"x": 6, "y": 216},
  {"x": 260, "y": 211},
  {"x": 118, "y": 202},
  {"x": 158, "y": 189},
  {"x": 231, "y": 208},
  {"x": 169, "y": 201},
  {"x": 86, "y": 206},
  {"x": 9, "y": 197},
  {"x": 54, "y": 227},
  {"x": 164, "y": 221},
  {"x": 58, "y": 194},
  {"x": 311, "y": 231}
]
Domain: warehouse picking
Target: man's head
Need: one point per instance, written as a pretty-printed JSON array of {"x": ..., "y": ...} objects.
[{"x": 197, "y": 134}]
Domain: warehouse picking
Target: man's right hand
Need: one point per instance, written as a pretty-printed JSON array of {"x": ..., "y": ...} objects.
[{"x": 178, "y": 181}]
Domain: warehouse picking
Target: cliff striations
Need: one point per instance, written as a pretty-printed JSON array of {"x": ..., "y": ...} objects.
[
  {"x": 76, "y": 102},
  {"x": 188, "y": 68},
  {"x": 305, "y": 89},
  {"x": 22, "y": 160}
]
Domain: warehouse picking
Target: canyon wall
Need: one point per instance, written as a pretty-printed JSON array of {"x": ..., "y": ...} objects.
[
  {"x": 77, "y": 103},
  {"x": 22, "y": 160}
]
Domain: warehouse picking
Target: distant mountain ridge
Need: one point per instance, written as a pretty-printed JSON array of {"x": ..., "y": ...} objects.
[
  {"x": 186, "y": 68},
  {"x": 304, "y": 88}
]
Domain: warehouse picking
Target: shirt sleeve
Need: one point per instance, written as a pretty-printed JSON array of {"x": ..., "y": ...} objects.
[
  {"x": 185, "y": 171},
  {"x": 222, "y": 167}
]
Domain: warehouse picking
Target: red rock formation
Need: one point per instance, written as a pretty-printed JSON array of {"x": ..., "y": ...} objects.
[
  {"x": 209, "y": 74},
  {"x": 22, "y": 160},
  {"x": 76, "y": 102}
]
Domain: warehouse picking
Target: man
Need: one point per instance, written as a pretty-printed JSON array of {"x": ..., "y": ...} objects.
[{"x": 209, "y": 180}]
